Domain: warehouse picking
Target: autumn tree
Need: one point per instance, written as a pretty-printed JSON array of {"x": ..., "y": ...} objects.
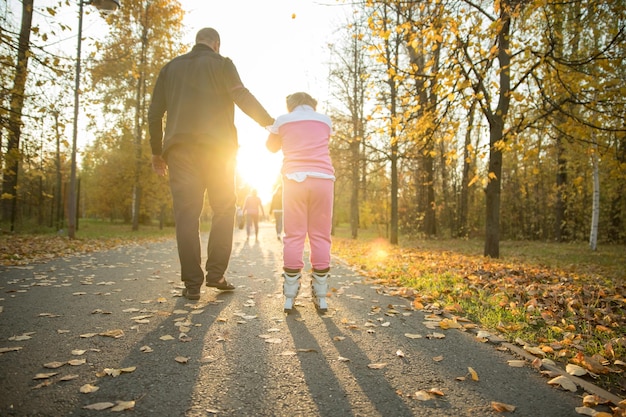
[
  {"x": 144, "y": 36},
  {"x": 349, "y": 79}
]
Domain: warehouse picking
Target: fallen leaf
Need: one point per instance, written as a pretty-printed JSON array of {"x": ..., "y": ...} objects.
[
  {"x": 45, "y": 375},
  {"x": 123, "y": 405},
  {"x": 435, "y": 391},
  {"x": 99, "y": 406},
  {"x": 88, "y": 389},
  {"x": 181, "y": 359},
  {"x": 517, "y": 363},
  {"x": 54, "y": 365},
  {"x": 273, "y": 340},
  {"x": 564, "y": 382},
  {"x": 68, "y": 377},
  {"x": 115, "y": 333},
  {"x": 342, "y": 359},
  {"x": 166, "y": 337},
  {"x": 376, "y": 365},
  {"x": 413, "y": 335},
  {"x": 20, "y": 338},
  {"x": 146, "y": 349},
  {"x": 438, "y": 358},
  {"x": 586, "y": 411},
  {"x": 10, "y": 349},
  {"x": 502, "y": 408},
  {"x": 473, "y": 373},
  {"x": 575, "y": 370},
  {"x": 78, "y": 352},
  {"x": 399, "y": 353},
  {"x": 422, "y": 396}
]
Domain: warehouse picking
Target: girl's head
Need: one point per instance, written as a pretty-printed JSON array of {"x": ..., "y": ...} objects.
[{"x": 298, "y": 99}]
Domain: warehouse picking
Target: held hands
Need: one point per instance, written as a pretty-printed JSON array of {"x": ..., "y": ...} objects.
[{"x": 159, "y": 166}]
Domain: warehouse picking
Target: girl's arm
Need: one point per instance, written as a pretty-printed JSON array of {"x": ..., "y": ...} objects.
[{"x": 274, "y": 143}]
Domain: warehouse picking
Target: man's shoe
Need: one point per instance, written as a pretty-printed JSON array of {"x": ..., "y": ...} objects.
[
  {"x": 221, "y": 285},
  {"x": 191, "y": 294}
]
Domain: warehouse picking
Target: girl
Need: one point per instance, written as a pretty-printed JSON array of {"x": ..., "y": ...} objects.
[{"x": 308, "y": 186}]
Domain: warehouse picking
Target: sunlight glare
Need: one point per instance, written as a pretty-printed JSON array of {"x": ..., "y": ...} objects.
[{"x": 258, "y": 167}]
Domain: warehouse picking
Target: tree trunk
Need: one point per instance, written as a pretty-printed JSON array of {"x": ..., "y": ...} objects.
[
  {"x": 13, "y": 157},
  {"x": 496, "y": 135},
  {"x": 595, "y": 208},
  {"x": 463, "y": 229}
]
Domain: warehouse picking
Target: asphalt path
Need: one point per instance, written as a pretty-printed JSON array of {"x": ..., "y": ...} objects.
[{"x": 114, "y": 324}]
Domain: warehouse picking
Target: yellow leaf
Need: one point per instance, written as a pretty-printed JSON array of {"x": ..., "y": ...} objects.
[
  {"x": 53, "y": 365},
  {"x": 517, "y": 363},
  {"x": 88, "y": 389},
  {"x": 473, "y": 373},
  {"x": 123, "y": 405},
  {"x": 501, "y": 407},
  {"x": 99, "y": 406},
  {"x": 564, "y": 382},
  {"x": 422, "y": 396}
]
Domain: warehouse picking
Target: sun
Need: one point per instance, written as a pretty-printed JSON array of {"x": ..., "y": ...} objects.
[{"x": 258, "y": 168}]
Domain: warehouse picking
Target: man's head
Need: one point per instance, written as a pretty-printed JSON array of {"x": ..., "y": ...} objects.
[
  {"x": 297, "y": 99},
  {"x": 209, "y": 37}
]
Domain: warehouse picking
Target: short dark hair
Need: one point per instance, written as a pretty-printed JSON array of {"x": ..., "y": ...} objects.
[{"x": 207, "y": 35}]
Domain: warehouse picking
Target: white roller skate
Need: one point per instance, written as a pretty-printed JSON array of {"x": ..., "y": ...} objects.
[
  {"x": 319, "y": 288},
  {"x": 291, "y": 286}
]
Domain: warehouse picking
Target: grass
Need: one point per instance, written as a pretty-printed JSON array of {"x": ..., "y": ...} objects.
[{"x": 566, "y": 299}]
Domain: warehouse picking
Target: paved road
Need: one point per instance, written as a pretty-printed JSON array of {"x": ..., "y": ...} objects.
[{"x": 237, "y": 354}]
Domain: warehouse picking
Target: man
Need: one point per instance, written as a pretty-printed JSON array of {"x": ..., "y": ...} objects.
[{"x": 198, "y": 91}]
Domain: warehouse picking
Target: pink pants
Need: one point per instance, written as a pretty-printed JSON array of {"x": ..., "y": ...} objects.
[{"x": 308, "y": 210}]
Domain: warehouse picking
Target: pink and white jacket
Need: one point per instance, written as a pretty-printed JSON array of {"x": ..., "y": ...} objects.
[{"x": 303, "y": 136}]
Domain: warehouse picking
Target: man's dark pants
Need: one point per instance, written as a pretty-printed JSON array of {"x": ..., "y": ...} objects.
[{"x": 194, "y": 169}]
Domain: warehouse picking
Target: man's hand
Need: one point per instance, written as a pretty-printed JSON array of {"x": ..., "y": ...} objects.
[{"x": 159, "y": 166}]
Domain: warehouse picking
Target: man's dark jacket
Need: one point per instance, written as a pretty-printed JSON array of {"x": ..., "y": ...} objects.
[{"x": 198, "y": 91}]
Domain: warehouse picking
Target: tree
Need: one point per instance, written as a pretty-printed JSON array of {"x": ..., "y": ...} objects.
[
  {"x": 144, "y": 36},
  {"x": 349, "y": 77},
  {"x": 18, "y": 92}
]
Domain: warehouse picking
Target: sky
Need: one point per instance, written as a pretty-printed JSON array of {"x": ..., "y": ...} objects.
[{"x": 279, "y": 47}]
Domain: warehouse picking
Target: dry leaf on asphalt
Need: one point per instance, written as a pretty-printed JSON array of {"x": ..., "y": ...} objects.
[
  {"x": 45, "y": 375},
  {"x": 564, "y": 382},
  {"x": 115, "y": 333},
  {"x": 77, "y": 362},
  {"x": 413, "y": 335},
  {"x": 54, "y": 365},
  {"x": 10, "y": 349},
  {"x": 181, "y": 359},
  {"x": 517, "y": 363},
  {"x": 123, "y": 405},
  {"x": 99, "y": 406},
  {"x": 502, "y": 408},
  {"x": 88, "y": 389},
  {"x": 473, "y": 373},
  {"x": 423, "y": 396},
  {"x": 376, "y": 365}
]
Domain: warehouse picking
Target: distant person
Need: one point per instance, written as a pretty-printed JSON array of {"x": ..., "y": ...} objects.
[
  {"x": 308, "y": 187},
  {"x": 276, "y": 208},
  {"x": 198, "y": 91},
  {"x": 251, "y": 208}
]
